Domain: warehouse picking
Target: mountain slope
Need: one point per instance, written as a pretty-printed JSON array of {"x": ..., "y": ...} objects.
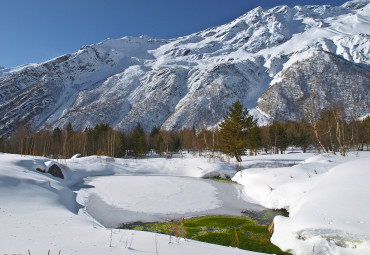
[
  {"x": 324, "y": 80},
  {"x": 192, "y": 80}
]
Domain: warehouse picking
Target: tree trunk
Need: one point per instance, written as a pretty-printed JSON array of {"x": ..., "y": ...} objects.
[{"x": 237, "y": 157}]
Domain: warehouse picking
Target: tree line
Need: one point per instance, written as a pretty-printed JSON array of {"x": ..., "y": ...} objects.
[
  {"x": 327, "y": 131},
  {"x": 238, "y": 134}
]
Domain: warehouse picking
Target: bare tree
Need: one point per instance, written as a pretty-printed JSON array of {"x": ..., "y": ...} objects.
[
  {"x": 339, "y": 121},
  {"x": 312, "y": 114}
]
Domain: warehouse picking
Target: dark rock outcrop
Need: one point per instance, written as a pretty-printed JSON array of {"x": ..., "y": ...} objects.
[
  {"x": 321, "y": 81},
  {"x": 55, "y": 170}
]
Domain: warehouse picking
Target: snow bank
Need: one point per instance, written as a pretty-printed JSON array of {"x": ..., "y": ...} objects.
[
  {"x": 327, "y": 198},
  {"x": 39, "y": 212},
  {"x": 186, "y": 165}
]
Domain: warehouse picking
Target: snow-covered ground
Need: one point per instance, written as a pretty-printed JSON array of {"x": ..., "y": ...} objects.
[
  {"x": 326, "y": 195},
  {"x": 124, "y": 199},
  {"x": 39, "y": 212}
]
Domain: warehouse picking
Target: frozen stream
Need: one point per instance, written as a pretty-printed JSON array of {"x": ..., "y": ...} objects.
[{"x": 113, "y": 200}]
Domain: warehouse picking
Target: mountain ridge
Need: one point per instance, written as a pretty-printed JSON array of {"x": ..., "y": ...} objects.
[{"x": 186, "y": 81}]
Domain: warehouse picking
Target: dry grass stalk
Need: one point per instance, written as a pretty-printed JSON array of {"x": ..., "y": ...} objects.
[
  {"x": 183, "y": 228},
  {"x": 235, "y": 241},
  {"x": 271, "y": 227},
  {"x": 177, "y": 229},
  {"x": 99, "y": 152}
]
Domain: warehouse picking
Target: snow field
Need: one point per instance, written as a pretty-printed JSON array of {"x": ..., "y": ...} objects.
[
  {"x": 152, "y": 195},
  {"x": 326, "y": 195},
  {"x": 39, "y": 212}
]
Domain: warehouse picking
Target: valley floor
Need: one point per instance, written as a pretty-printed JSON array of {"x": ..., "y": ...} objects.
[{"x": 326, "y": 195}]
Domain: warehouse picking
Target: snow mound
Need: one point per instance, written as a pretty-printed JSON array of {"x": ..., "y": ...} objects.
[{"x": 327, "y": 198}]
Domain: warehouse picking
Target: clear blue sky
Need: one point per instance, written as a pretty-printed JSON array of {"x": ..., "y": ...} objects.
[{"x": 33, "y": 31}]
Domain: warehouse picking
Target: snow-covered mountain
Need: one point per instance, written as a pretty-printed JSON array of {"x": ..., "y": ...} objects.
[{"x": 268, "y": 59}]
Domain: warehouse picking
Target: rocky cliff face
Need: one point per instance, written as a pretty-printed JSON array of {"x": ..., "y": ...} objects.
[
  {"x": 278, "y": 57},
  {"x": 323, "y": 80}
]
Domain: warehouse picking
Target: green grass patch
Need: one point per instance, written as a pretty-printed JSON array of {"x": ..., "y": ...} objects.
[{"x": 242, "y": 232}]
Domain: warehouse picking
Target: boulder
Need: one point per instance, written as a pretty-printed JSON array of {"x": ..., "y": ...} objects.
[
  {"x": 55, "y": 170},
  {"x": 41, "y": 170}
]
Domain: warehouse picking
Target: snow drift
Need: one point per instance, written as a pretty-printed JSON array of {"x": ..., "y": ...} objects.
[{"x": 327, "y": 200}]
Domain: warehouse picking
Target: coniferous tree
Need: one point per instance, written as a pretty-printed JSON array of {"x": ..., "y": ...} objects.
[
  {"x": 155, "y": 131},
  {"x": 174, "y": 142},
  {"x": 57, "y": 141},
  {"x": 254, "y": 139},
  {"x": 138, "y": 141},
  {"x": 283, "y": 138},
  {"x": 154, "y": 134},
  {"x": 156, "y": 141},
  {"x": 302, "y": 137},
  {"x": 123, "y": 145},
  {"x": 233, "y": 131},
  {"x": 69, "y": 129},
  {"x": 279, "y": 136}
]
